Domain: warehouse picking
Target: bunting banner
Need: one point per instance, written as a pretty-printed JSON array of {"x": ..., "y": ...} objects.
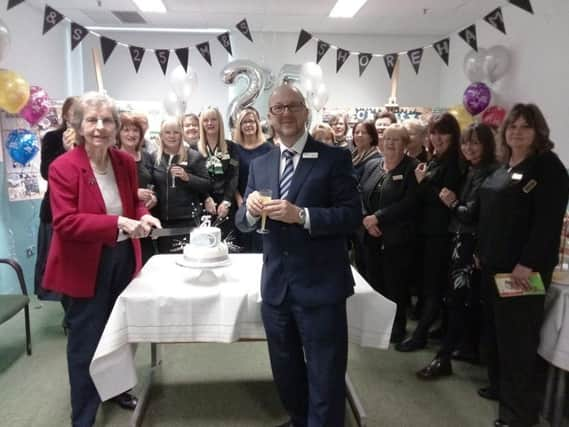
[
  {"x": 363, "y": 61},
  {"x": 162, "y": 55},
  {"x": 78, "y": 33},
  {"x": 321, "y": 49},
  {"x": 183, "y": 55},
  {"x": 390, "y": 61},
  {"x": 225, "y": 42},
  {"x": 13, "y": 3},
  {"x": 51, "y": 18},
  {"x": 415, "y": 56},
  {"x": 243, "y": 28},
  {"x": 203, "y": 49},
  {"x": 107, "y": 47},
  {"x": 469, "y": 36},
  {"x": 342, "y": 56},
  {"x": 443, "y": 49},
  {"x": 496, "y": 19},
  {"x": 136, "y": 54},
  {"x": 303, "y": 38},
  {"x": 523, "y": 4}
]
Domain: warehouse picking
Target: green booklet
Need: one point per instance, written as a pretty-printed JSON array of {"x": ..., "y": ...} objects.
[{"x": 505, "y": 289}]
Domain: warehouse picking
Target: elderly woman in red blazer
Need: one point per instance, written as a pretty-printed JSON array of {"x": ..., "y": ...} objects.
[{"x": 97, "y": 221}]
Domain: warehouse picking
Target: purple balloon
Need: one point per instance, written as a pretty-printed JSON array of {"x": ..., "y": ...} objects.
[
  {"x": 476, "y": 98},
  {"x": 37, "y": 106}
]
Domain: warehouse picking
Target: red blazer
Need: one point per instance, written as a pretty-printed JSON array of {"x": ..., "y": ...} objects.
[{"x": 81, "y": 226}]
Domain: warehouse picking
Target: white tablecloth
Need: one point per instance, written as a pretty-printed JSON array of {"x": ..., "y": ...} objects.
[
  {"x": 554, "y": 345},
  {"x": 168, "y": 303}
]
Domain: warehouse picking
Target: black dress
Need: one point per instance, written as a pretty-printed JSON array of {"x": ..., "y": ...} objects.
[{"x": 521, "y": 214}]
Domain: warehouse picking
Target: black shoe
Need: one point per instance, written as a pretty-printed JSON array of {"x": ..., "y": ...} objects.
[
  {"x": 410, "y": 344},
  {"x": 468, "y": 357},
  {"x": 437, "y": 334},
  {"x": 397, "y": 336},
  {"x": 500, "y": 423},
  {"x": 488, "y": 393},
  {"x": 126, "y": 401},
  {"x": 439, "y": 367}
]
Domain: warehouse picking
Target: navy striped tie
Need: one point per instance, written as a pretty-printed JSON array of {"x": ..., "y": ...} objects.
[{"x": 286, "y": 177}]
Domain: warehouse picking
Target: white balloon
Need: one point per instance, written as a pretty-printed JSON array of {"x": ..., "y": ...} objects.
[
  {"x": 496, "y": 62},
  {"x": 190, "y": 85},
  {"x": 311, "y": 70},
  {"x": 4, "y": 40},
  {"x": 289, "y": 73},
  {"x": 173, "y": 105},
  {"x": 474, "y": 65},
  {"x": 320, "y": 97},
  {"x": 177, "y": 79}
]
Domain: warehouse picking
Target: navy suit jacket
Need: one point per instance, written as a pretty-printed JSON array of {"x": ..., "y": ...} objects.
[{"x": 313, "y": 267}]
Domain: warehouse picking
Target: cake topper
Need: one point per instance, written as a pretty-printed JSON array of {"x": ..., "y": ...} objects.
[{"x": 206, "y": 221}]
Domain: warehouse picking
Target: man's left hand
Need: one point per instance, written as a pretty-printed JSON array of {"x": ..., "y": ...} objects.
[{"x": 282, "y": 210}]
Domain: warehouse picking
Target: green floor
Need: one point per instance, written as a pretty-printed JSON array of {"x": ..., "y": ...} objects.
[{"x": 207, "y": 385}]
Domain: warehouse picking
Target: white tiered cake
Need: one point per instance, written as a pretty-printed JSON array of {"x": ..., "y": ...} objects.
[{"x": 205, "y": 248}]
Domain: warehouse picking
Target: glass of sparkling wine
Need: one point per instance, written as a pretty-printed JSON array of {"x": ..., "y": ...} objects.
[{"x": 266, "y": 195}]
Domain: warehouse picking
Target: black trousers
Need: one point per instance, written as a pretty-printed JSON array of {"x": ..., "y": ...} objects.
[
  {"x": 86, "y": 319},
  {"x": 514, "y": 367},
  {"x": 436, "y": 259}
]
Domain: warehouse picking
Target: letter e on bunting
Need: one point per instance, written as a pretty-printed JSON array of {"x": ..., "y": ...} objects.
[{"x": 415, "y": 56}]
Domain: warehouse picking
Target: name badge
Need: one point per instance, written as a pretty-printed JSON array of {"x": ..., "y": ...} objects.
[
  {"x": 225, "y": 156},
  {"x": 397, "y": 177},
  {"x": 529, "y": 186},
  {"x": 517, "y": 176},
  {"x": 309, "y": 155}
]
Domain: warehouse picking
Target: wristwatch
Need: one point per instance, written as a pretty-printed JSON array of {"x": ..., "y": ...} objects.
[{"x": 301, "y": 216}]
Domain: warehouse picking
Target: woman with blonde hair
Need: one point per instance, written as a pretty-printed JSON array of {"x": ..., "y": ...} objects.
[
  {"x": 251, "y": 144},
  {"x": 180, "y": 179},
  {"x": 418, "y": 136},
  {"x": 222, "y": 165},
  {"x": 324, "y": 133},
  {"x": 339, "y": 124}
]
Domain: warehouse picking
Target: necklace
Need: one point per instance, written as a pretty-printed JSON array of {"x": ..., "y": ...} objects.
[{"x": 100, "y": 171}]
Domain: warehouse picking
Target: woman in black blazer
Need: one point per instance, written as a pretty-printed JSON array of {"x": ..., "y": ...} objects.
[
  {"x": 477, "y": 149},
  {"x": 522, "y": 205},
  {"x": 389, "y": 198},
  {"x": 440, "y": 172},
  {"x": 222, "y": 163},
  {"x": 53, "y": 144}
]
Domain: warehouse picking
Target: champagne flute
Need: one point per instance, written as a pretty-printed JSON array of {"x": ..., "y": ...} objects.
[{"x": 265, "y": 195}]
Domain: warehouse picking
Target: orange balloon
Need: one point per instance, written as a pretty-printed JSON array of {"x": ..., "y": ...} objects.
[{"x": 14, "y": 91}]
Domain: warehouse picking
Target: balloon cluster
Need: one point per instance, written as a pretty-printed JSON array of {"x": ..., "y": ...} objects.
[
  {"x": 313, "y": 86},
  {"x": 483, "y": 69},
  {"x": 182, "y": 86}
]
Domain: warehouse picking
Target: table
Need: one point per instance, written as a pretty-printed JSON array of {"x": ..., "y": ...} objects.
[
  {"x": 167, "y": 303},
  {"x": 554, "y": 347}
]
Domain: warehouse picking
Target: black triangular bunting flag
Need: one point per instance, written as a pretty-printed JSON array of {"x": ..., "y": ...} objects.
[
  {"x": 469, "y": 36},
  {"x": 415, "y": 56},
  {"x": 13, "y": 3},
  {"x": 225, "y": 42},
  {"x": 183, "y": 55},
  {"x": 243, "y": 28},
  {"x": 523, "y": 4},
  {"x": 496, "y": 19},
  {"x": 78, "y": 33},
  {"x": 136, "y": 54},
  {"x": 341, "y": 57},
  {"x": 443, "y": 49},
  {"x": 51, "y": 18},
  {"x": 390, "y": 61},
  {"x": 321, "y": 50},
  {"x": 162, "y": 56},
  {"x": 203, "y": 49},
  {"x": 107, "y": 46},
  {"x": 303, "y": 38},
  {"x": 363, "y": 60}
]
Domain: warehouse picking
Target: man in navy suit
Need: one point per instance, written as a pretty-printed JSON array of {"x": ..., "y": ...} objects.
[{"x": 306, "y": 274}]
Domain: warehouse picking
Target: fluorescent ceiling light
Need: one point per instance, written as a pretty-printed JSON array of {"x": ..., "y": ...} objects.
[
  {"x": 160, "y": 30},
  {"x": 346, "y": 8},
  {"x": 154, "y": 6}
]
